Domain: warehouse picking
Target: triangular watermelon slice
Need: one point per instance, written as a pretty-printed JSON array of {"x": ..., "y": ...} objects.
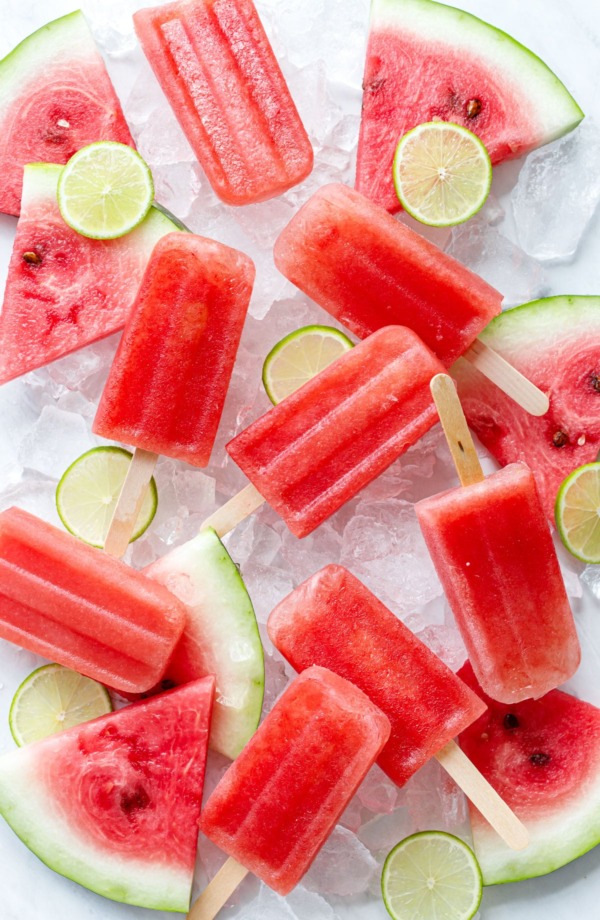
[
  {"x": 428, "y": 61},
  {"x": 543, "y": 757},
  {"x": 55, "y": 97},
  {"x": 63, "y": 290},
  {"x": 114, "y": 804},
  {"x": 555, "y": 342}
]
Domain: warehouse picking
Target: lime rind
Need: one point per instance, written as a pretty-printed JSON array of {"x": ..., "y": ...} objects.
[
  {"x": 105, "y": 190},
  {"x": 427, "y": 867},
  {"x": 291, "y": 363},
  {"x": 577, "y": 513},
  {"x": 442, "y": 173},
  {"x": 87, "y": 484},
  {"x": 54, "y": 698}
]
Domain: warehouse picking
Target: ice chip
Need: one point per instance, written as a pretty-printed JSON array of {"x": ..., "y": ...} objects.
[
  {"x": 557, "y": 194},
  {"x": 44, "y": 452},
  {"x": 499, "y": 261},
  {"x": 343, "y": 866}
]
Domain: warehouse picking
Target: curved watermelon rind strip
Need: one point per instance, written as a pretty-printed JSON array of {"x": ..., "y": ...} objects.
[{"x": 69, "y": 33}]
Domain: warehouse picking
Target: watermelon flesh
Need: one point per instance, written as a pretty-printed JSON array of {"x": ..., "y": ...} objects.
[
  {"x": 55, "y": 97},
  {"x": 555, "y": 342},
  {"x": 427, "y": 61},
  {"x": 114, "y": 804},
  {"x": 543, "y": 758},
  {"x": 63, "y": 290}
]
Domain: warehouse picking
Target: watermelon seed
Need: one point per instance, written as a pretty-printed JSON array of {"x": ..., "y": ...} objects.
[
  {"x": 539, "y": 759},
  {"x": 596, "y": 382},
  {"x": 135, "y": 800},
  {"x": 32, "y": 258},
  {"x": 559, "y": 439},
  {"x": 473, "y": 108},
  {"x": 510, "y": 721}
]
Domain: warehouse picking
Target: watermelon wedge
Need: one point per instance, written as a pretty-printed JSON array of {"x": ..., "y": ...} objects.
[
  {"x": 114, "y": 804},
  {"x": 63, "y": 290},
  {"x": 543, "y": 757},
  {"x": 427, "y": 61},
  {"x": 555, "y": 342},
  {"x": 55, "y": 97},
  {"x": 220, "y": 636}
]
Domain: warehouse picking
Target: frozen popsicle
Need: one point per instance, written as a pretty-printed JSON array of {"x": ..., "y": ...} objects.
[
  {"x": 167, "y": 385},
  {"x": 279, "y": 801},
  {"x": 334, "y": 621},
  {"x": 216, "y": 67},
  {"x": 369, "y": 270},
  {"x": 321, "y": 445},
  {"x": 79, "y": 607},
  {"x": 493, "y": 552}
]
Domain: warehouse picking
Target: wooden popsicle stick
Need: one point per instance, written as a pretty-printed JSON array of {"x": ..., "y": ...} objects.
[
  {"x": 235, "y": 510},
  {"x": 130, "y": 501},
  {"x": 454, "y": 423},
  {"x": 507, "y": 378},
  {"x": 217, "y": 893},
  {"x": 476, "y": 787}
]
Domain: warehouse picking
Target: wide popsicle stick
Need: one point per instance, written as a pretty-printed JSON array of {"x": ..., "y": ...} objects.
[
  {"x": 507, "y": 378},
  {"x": 457, "y": 432},
  {"x": 477, "y": 789},
  {"x": 235, "y": 510},
  {"x": 130, "y": 502},
  {"x": 218, "y": 891}
]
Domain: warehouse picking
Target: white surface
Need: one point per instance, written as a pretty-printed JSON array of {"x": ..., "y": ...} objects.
[{"x": 566, "y": 34}]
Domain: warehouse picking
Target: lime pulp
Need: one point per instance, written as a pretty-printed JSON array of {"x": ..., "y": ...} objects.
[{"x": 299, "y": 357}]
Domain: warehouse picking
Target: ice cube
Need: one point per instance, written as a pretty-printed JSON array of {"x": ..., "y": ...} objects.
[
  {"x": 377, "y": 792},
  {"x": 380, "y": 834},
  {"x": 55, "y": 441},
  {"x": 344, "y": 866},
  {"x": 446, "y": 642},
  {"x": 300, "y": 904},
  {"x": 503, "y": 264},
  {"x": 435, "y": 802},
  {"x": 383, "y": 545},
  {"x": 33, "y": 495},
  {"x": 558, "y": 193}
]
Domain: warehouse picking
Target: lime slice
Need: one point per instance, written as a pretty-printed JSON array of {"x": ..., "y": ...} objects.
[
  {"x": 442, "y": 173},
  {"x": 432, "y": 875},
  {"x": 105, "y": 190},
  {"x": 299, "y": 356},
  {"x": 52, "y": 699},
  {"x": 577, "y": 512},
  {"x": 87, "y": 494}
]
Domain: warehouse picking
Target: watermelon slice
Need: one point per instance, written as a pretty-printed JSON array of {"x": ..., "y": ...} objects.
[
  {"x": 427, "y": 61},
  {"x": 555, "y": 342},
  {"x": 114, "y": 804},
  {"x": 220, "y": 636},
  {"x": 55, "y": 97},
  {"x": 543, "y": 757},
  {"x": 63, "y": 290}
]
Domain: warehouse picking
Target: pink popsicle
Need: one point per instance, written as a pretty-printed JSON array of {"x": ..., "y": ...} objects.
[
  {"x": 279, "y": 801},
  {"x": 334, "y": 621},
  {"x": 220, "y": 75},
  {"x": 168, "y": 382},
  {"x": 81, "y": 608},
  {"x": 494, "y": 555},
  {"x": 369, "y": 270},
  {"x": 321, "y": 445}
]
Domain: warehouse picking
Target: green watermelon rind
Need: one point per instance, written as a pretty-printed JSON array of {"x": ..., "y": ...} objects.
[
  {"x": 69, "y": 34},
  {"x": 30, "y": 813},
  {"x": 41, "y": 183},
  {"x": 564, "y": 316},
  {"x": 224, "y": 617},
  {"x": 552, "y": 104}
]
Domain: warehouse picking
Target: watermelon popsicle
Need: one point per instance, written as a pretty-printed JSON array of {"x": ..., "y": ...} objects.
[
  {"x": 79, "y": 607},
  {"x": 369, "y": 270},
  {"x": 334, "y": 621},
  {"x": 216, "y": 67},
  {"x": 322, "y": 444},
  {"x": 169, "y": 379},
  {"x": 493, "y": 552},
  {"x": 283, "y": 795}
]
